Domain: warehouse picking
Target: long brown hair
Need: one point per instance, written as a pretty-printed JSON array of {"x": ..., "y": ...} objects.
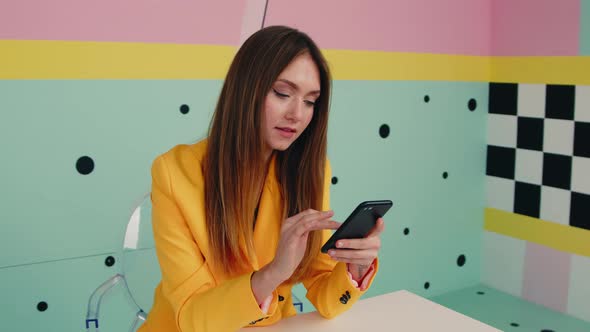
[{"x": 234, "y": 167}]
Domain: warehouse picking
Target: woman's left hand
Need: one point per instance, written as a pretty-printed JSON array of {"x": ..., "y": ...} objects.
[{"x": 364, "y": 251}]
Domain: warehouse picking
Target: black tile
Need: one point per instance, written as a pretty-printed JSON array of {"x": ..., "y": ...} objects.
[
  {"x": 559, "y": 102},
  {"x": 557, "y": 170},
  {"x": 503, "y": 98},
  {"x": 580, "y": 210},
  {"x": 501, "y": 161},
  {"x": 530, "y": 134},
  {"x": 527, "y": 199},
  {"x": 582, "y": 139}
]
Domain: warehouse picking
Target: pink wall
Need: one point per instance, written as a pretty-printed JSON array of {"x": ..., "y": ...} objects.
[
  {"x": 480, "y": 27},
  {"x": 170, "y": 21},
  {"x": 451, "y": 27}
]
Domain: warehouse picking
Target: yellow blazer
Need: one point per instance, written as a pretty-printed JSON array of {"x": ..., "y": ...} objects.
[{"x": 191, "y": 297}]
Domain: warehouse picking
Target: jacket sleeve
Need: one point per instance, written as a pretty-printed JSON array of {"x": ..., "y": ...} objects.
[
  {"x": 199, "y": 304},
  {"x": 329, "y": 288}
]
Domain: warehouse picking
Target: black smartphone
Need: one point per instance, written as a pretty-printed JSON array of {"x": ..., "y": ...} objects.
[{"x": 359, "y": 222}]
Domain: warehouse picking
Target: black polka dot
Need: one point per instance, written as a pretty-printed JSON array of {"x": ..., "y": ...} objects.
[
  {"x": 514, "y": 324},
  {"x": 334, "y": 180},
  {"x": 184, "y": 108},
  {"x": 406, "y": 231},
  {"x": 481, "y": 293},
  {"x": 461, "y": 260},
  {"x": 472, "y": 104},
  {"x": 426, "y": 285},
  {"x": 426, "y": 98},
  {"x": 85, "y": 165},
  {"x": 109, "y": 261},
  {"x": 42, "y": 306},
  {"x": 445, "y": 175},
  {"x": 547, "y": 330},
  {"x": 384, "y": 131}
]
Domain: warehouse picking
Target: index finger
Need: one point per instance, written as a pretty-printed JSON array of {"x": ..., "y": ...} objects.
[
  {"x": 313, "y": 215},
  {"x": 326, "y": 224},
  {"x": 316, "y": 225},
  {"x": 378, "y": 229},
  {"x": 300, "y": 215}
]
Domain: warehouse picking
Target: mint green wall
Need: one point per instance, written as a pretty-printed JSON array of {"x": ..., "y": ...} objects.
[
  {"x": 69, "y": 223},
  {"x": 49, "y": 210},
  {"x": 444, "y": 215}
]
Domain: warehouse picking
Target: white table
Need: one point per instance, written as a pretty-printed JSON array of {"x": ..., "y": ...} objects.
[{"x": 397, "y": 311}]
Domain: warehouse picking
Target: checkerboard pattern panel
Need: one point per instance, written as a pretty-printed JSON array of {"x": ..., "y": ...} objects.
[{"x": 539, "y": 151}]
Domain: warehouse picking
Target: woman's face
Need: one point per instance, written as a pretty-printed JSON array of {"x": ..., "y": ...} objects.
[{"x": 288, "y": 106}]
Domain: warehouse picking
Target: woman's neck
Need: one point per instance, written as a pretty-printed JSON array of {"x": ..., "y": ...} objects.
[{"x": 268, "y": 152}]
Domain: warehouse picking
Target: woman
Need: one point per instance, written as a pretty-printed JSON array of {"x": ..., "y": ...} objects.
[{"x": 240, "y": 216}]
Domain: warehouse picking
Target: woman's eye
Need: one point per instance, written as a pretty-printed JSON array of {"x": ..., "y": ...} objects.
[
  {"x": 282, "y": 95},
  {"x": 309, "y": 103}
]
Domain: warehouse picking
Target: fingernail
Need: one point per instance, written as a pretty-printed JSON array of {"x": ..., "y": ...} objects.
[
  {"x": 339, "y": 244},
  {"x": 331, "y": 252}
]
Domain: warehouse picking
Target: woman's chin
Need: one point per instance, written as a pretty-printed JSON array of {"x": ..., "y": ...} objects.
[{"x": 281, "y": 146}]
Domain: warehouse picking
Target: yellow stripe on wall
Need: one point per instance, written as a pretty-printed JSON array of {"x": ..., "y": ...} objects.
[
  {"x": 25, "y": 59},
  {"x": 373, "y": 65},
  {"x": 43, "y": 59},
  {"x": 542, "y": 69},
  {"x": 561, "y": 237},
  {"x": 30, "y": 59}
]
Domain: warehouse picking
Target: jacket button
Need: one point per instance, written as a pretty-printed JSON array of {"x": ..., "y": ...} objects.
[
  {"x": 347, "y": 294},
  {"x": 343, "y": 300},
  {"x": 256, "y": 321},
  {"x": 281, "y": 298}
]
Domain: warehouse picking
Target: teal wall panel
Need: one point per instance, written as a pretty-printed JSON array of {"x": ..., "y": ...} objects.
[
  {"x": 50, "y": 211},
  {"x": 444, "y": 216},
  {"x": 65, "y": 287}
]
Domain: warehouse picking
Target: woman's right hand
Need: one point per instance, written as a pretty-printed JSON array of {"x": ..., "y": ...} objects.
[
  {"x": 293, "y": 241},
  {"x": 290, "y": 250}
]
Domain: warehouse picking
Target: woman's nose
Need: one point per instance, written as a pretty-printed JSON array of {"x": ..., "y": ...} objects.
[{"x": 295, "y": 110}]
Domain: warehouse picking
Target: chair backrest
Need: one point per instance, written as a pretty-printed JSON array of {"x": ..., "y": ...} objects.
[
  {"x": 139, "y": 262},
  {"x": 138, "y": 269}
]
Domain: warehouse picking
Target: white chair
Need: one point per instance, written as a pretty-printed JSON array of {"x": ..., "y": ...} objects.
[{"x": 138, "y": 271}]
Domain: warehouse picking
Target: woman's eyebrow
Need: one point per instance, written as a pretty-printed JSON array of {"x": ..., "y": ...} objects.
[{"x": 296, "y": 87}]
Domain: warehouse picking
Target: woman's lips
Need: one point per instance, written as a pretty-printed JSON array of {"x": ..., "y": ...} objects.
[{"x": 286, "y": 132}]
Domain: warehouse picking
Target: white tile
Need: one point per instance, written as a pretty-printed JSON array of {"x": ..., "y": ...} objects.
[
  {"x": 581, "y": 175},
  {"x": 500, "y": 193},
  {"x": 582, "y": 110},
  {"x": 531, "y": 100},
  {"x": 558, "y": 136},
  {"x": 503, "y": 262},
  {"x": 502, "y": 130},
  {"x": 529, "y": 166},
  {"x": 555, "y": 205}
]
